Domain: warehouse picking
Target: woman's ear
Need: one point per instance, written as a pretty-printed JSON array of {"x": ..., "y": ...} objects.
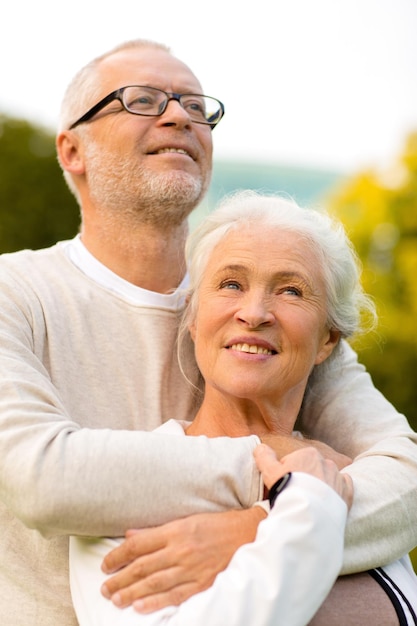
[
  {"x": 68, "y": 147},
  {"x": 329, "y": 344},
  {"x": 192, "y": 329}
]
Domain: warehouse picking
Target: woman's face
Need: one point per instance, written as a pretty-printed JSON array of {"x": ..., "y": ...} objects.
[{"x": 260, "y": 325}]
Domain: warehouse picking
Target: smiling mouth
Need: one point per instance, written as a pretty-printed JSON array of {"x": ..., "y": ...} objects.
[
  {"x": 175, "y": 150},
  {"x": 245, "y": 347}
]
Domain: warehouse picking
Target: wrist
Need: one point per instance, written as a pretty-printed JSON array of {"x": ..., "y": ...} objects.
[{"x": 277, "y": 487}]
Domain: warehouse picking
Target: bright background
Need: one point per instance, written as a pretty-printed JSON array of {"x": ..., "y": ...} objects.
[{"x": 322, "y": 83}]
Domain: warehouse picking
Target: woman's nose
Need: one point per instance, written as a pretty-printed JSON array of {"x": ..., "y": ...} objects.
[{"x": 255, "y": 311}]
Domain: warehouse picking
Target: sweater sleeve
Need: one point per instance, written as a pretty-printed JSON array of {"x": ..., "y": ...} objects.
[
  {"x": 348, "y": 413},
  {"x": 279, "y": 578},
  {"x": 61, "y": 478}
]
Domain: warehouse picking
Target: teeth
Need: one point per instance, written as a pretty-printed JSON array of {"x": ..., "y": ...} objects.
[
  {"x": 179, "y": 150},
  {"x": 245, "y": 347}
]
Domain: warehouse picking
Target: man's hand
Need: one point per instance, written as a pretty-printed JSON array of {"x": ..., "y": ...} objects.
[
  {"x": 283, "y": 445},
  {"x": 166, "y": 565}
]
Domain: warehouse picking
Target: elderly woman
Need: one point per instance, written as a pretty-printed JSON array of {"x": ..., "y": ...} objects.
[{"x": 273, "y": 289}]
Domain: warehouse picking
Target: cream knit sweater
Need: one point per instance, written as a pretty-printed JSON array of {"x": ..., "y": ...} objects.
[{"x": 81, "y": 369}]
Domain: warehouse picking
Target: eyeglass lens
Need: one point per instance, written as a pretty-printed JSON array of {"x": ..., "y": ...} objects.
[{"x": 150, "y": 101}]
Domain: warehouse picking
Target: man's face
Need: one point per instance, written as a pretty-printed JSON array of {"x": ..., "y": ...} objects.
[{"x": 158, "y": 166}]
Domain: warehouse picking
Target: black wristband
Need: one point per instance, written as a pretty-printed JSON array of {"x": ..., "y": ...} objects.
[{"x": 277, "y": 487}]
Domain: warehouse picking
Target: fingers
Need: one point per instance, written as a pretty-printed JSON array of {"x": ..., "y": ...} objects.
[
  {"x": 156, "y": 591},
  {"x": 137, "y": 543},
  {"x": 347, "y": 490},
  {"x": 284, "y": 445},
  {"x": 268, "y": 464},
  {"x": 178, "y": 559},
  {"x": 340, "y": 459},
  {"x": 173, "y": 597},
  {"x": 133, "y": 580},
  {"x": 307, "y": 460}
]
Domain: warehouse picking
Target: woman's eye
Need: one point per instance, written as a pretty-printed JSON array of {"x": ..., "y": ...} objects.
[
  {"x": 230, "y": 284},
  {"x": 293, "y": 291}
]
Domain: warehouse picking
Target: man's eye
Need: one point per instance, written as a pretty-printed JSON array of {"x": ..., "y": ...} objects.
[
  {"x": 194, "y": 105},
  {"x": 142, "y": 102}
]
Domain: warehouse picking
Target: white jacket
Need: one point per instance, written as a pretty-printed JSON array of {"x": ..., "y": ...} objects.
[{"x": 280, "y": 579}]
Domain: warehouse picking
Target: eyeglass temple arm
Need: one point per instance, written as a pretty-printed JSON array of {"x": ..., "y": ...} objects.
[{"x": 115, "y": 95}]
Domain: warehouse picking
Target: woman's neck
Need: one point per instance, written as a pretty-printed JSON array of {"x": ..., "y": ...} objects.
[{"x": 222, "y": 416}]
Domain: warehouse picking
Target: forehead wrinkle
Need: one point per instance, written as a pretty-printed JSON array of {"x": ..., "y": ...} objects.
[
  {"x": 148, "y": 67},
  {"x": 291, "y": 264},
  {"x": 278, "y": 275},
  {"x": 233, "y": 267}
]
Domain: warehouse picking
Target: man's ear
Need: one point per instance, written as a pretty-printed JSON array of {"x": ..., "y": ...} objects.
[
  {"x": 329, "y": 344},
  {"x": 69, "y": 152}
]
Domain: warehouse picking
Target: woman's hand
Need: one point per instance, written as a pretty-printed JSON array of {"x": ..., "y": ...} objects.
[
  {"x": 307, "y": 460},
  {"x": 284, "y": 444}
]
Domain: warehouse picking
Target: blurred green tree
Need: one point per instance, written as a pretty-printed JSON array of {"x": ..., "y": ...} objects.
[
  {"x": 36, "y": 207},
  {"x": 379, "y": 210}
]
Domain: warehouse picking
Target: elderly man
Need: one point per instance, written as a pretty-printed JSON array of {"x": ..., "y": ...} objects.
[{"x": 88, "y": 330}]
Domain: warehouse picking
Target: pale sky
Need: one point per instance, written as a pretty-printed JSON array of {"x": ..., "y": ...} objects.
[{"x": 322, "y": 83}]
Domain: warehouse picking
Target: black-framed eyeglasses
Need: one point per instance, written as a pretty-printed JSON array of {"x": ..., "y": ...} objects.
[{"x": 152, "y": 102}]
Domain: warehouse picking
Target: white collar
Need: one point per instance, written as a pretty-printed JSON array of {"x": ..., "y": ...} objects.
[{"x": 78, "y": 254}]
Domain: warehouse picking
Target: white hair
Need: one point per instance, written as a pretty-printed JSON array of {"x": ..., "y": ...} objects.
[
  {"x": 347, "y": 305},
  {"x": 84, "y": 88}
]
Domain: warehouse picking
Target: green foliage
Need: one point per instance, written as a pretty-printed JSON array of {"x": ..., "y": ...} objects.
[
  {"x": 36, "y": 207},
  {"x": 413, "y": 556},
  {"x": 380, "y": 214},
  {"x": 379, "y": 211}
]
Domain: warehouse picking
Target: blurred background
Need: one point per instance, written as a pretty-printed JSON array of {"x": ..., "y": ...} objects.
[{"x": 321, "y": 104}]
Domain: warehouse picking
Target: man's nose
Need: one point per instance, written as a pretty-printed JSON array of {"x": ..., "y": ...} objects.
[{"x": 175, "y": 114}]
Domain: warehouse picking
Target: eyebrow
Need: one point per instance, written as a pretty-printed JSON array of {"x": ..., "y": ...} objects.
[
  {"x": 282, "y": 275},
  {"x": 233, "y": 268}
]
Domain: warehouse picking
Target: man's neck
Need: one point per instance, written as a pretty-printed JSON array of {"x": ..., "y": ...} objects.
[{"x": 147, "y": 256}]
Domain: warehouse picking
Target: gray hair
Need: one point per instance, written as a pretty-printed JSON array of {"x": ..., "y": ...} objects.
[
  {"x": 347, "y": 305},
  {"x": 85, "y": 89}
]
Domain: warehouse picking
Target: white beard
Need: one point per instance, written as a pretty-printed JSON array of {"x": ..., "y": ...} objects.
[{"x": 120, "y": 189}]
